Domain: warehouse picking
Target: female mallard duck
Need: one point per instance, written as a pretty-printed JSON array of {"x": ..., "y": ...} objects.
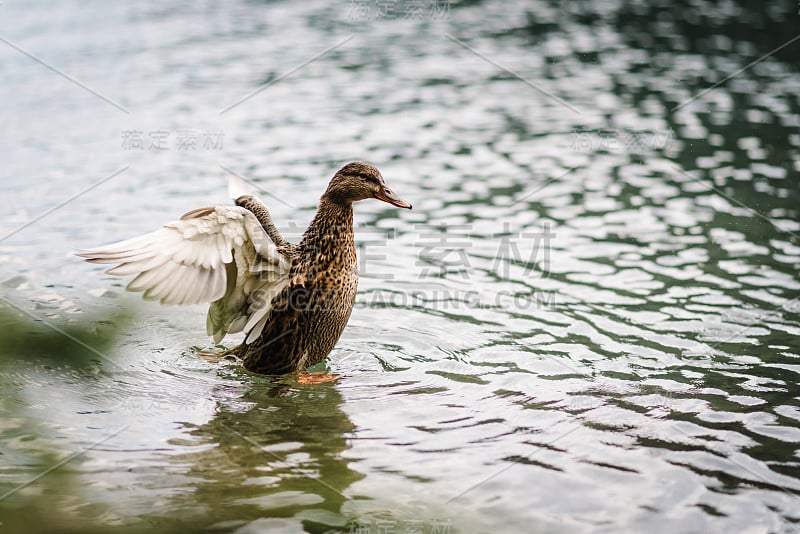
[{"x": 291, "y": 300}]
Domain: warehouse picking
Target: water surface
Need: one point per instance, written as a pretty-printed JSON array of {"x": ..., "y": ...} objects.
[{"x": 589, "y": 322}]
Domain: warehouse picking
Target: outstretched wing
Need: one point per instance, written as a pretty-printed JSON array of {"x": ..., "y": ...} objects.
[{"x": 219, "y": 255}]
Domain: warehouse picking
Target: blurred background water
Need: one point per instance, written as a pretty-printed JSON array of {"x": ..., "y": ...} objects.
[{"x": 589, "y": 321}]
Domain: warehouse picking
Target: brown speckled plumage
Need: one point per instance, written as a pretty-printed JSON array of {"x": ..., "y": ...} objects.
[{"x": 309, "y": 315}]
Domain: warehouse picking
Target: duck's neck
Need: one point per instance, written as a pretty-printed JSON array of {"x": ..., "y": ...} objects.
[{"x": 331, "y": 231}]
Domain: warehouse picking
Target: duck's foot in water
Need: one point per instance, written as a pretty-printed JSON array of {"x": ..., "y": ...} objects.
[
  {"x": 317, "y": 377},
  {"x": 216, "y": 355}
]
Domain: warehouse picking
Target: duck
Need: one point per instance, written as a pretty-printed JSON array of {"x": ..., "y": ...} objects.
[{"x": 291, "y": 301}]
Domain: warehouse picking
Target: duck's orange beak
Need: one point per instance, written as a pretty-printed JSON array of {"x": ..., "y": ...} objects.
[{"x": 387, "y": 195}]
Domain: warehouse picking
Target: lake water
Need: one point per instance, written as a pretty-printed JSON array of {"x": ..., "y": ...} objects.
[{"x": 588, "y": 323}]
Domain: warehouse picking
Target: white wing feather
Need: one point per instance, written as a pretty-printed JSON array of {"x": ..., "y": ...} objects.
[
  {"x": 220, "y": 255},
  {"x": 237, "y": 186}
]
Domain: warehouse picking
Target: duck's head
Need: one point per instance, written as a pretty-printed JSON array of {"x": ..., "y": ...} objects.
[{"x": 358, "y": 181}]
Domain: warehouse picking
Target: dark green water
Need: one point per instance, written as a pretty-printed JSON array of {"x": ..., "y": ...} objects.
[{"x": 588, "y": 323}]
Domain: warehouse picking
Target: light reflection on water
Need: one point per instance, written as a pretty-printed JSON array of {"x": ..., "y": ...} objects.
[{"x": 603, "y": 337}]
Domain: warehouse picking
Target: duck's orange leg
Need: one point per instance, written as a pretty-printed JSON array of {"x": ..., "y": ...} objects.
[{"x": 317, "y": 377}]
